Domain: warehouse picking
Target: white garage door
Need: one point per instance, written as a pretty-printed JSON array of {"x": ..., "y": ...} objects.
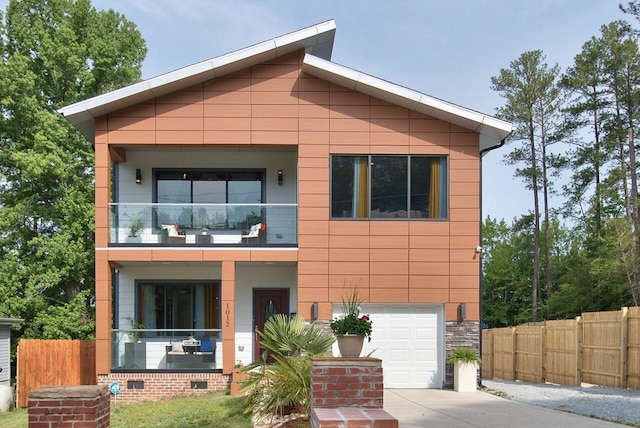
[{"x": 409, "y": 339}]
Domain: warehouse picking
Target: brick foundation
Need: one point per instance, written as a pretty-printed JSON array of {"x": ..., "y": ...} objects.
[
  {"x": 157, "y": 386},
  {"x": 348, "y": 392},
  {"x": 84, "y": 406}
]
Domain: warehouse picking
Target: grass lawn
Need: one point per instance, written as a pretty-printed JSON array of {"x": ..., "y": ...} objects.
[{"x": 215, "y": 409}]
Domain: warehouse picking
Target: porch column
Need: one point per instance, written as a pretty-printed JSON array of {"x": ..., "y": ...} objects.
[
  {"x": 228, "y": 315},
  {"x": 104, "y": 313}
]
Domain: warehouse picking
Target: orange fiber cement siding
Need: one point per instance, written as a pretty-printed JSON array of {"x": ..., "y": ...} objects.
[{"x": 277, "y": 104}]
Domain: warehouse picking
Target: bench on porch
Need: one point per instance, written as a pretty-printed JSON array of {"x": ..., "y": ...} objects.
[{"x": 191, "y": 353}]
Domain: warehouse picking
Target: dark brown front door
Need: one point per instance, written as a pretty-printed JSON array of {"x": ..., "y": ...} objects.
[{"x": 266, "y": 303}]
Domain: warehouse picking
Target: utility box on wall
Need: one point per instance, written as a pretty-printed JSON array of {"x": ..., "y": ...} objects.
[{"x": 5, "y": 349}]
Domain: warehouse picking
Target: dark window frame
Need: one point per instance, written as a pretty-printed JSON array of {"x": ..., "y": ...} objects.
[
  {"x": 167, "y": 283},
  {"x": 444, "y": 199},
  {"x": 190, "y": 172}
]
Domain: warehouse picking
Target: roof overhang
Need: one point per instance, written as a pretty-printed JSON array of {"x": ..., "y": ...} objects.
[
  {"x": 317, "y": 39},
  {"x": 10, "y": 321},
  {"x": 492, "y": 130}
]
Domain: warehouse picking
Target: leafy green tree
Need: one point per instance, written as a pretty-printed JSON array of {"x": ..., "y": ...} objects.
[
  {"x": 54, "y": 53},
  {"x": 533, "y": 104}
]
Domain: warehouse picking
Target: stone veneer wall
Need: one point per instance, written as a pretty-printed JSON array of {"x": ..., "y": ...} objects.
[
  {"x": 460, "y": 333},
  {"x": 164, "y": 385}
]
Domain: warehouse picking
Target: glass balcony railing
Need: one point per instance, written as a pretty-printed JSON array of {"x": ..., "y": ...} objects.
[
  {"x": 203, "y": 224},
  {"x": 155, "y": 349}
]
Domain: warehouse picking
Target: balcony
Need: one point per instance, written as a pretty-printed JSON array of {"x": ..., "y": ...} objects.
[
  {"x": 203, "y": 224},
  {"x": 175, "y": 350}
]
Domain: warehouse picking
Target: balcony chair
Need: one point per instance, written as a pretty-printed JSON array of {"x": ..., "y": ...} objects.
[
  {"x": 257, "y": 232},
  {"x": 170, "y": 234}
]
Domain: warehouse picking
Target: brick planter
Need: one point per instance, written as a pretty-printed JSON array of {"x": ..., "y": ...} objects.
[
  {"x": 346, "y": 382},
  {"x": 84, "y": 406},
  {"x": 348, "y": 392}
]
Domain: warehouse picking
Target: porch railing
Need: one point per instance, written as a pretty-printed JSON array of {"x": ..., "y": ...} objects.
[
  {"x": 162, "y": 349},
  {"x": 203, "y": 224}
]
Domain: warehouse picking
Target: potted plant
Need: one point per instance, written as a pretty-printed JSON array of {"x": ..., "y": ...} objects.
[
  {"x": 465, "y": 368},
  {"x": 351, "y": 328},
  {"x": 135, "y": 351},
  {"x": 136, "y": 224},
  {"x": 238, "y": 376}
]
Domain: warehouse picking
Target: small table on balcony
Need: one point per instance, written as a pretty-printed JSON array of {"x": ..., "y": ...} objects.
[{"x": 204, "y": 239}]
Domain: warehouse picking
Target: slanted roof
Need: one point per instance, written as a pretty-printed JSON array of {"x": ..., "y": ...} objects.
[
  {"x": 492, "y": 131},
  {"x": 317, "y": 41},
  {"x": 10, "y": 321}
]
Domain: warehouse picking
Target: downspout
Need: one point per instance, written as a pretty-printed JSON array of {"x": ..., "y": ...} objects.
[{"x": 482, "y": 153}]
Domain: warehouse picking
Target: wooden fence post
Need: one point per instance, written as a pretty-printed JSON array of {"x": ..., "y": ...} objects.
[
  {"x": 543, "y": 353},
  {"x": 578, "y": 374},
  {"x": 624, "y": 340},
  {"x": 513, "y": 353}
]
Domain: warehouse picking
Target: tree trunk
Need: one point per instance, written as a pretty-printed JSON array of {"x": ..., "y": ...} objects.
[
  {"x": 536, "y": 228},
  {"x": 596, "y": 168},
  {"x": 545, "y": 196}
]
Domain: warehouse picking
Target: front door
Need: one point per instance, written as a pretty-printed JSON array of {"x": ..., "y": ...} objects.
[{"x": 266, "y": 303}]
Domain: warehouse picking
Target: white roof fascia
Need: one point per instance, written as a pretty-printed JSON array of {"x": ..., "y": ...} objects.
[
  {"x": 317, "y": 39},
  {"x": 10, "y": 321},
  {"x": 492, "y": 130}
]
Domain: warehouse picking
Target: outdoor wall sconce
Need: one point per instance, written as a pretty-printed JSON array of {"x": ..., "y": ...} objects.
[
  {"x": 280, "y": 177},
  {"x": 314, "y": 311},
  {"x": 138, "y": 176},
  {"x": 462, "y": 311}
]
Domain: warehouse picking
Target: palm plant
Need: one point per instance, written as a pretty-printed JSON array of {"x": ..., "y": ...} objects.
[{"x": 280, "y": 382}]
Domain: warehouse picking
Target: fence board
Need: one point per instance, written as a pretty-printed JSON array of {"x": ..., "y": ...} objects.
[
  {"x": 633, "y": 348},
  {"x": 601, "y": 348},
  {"x": 560, "y": 354},
  {"x": 504, "y": 353},
  {"x": 54, "y": 363},
  {"x": 528, "y": 353},
  {"x": 487, "y": 353}
]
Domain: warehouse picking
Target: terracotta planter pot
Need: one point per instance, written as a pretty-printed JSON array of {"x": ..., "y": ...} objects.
[
  {"x": 350, "y": 345},
  {"x": 237, "y": 377}
]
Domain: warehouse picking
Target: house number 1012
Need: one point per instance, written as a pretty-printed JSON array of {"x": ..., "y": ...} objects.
[{"x": 227, "y": 312}]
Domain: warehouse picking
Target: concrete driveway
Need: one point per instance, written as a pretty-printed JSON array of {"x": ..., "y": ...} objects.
[{"x": 435, "y": 408}]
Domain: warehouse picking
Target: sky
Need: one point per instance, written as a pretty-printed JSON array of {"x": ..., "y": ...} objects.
[{"x": 448, "y": 49}]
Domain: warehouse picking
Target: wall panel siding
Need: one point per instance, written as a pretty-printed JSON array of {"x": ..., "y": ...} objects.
[{"x": 275, "y": 104}]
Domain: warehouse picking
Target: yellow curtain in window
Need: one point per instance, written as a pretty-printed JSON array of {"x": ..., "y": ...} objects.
[
  {"x": 434, "y": 189},
  {"x": 363, "y": 189}
]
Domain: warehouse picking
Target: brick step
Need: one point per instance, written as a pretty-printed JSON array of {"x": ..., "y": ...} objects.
[{"x": 346, "y": 417}]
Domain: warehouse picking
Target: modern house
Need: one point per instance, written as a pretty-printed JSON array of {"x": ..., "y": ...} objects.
[{"x": 266, "y": 181}]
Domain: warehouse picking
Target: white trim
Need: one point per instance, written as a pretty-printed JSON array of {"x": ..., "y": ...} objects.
[
  {"x": 492, "y": 129},
  {"x": 317, "y": 39}
]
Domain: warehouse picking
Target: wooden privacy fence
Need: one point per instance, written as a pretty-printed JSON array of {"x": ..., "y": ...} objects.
[
  {"x": 54, "y": 363},
  {"x": 600, "y": 348}
]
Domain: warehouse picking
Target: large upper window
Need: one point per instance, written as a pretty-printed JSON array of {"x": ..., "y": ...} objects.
[
  {"x": 178, "y": 187},
  {"x": 398, "y": 187},
  {"x": 178, "y": 305}
]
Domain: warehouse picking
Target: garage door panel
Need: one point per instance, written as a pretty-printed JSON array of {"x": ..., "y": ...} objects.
[
  {"x": 426, "y": 333},
  {"x": 399, "y": 355},
  {"x": 409, "y": 339}
]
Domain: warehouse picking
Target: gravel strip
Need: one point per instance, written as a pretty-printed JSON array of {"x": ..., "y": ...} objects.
[{"x": 613, "y": 404}]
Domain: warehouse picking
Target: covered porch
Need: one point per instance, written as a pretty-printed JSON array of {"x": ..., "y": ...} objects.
[{"x": 182, "y": 316}]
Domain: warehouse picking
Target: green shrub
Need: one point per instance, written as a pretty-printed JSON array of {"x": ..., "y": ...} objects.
[{"x": 464, "y": 355}]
